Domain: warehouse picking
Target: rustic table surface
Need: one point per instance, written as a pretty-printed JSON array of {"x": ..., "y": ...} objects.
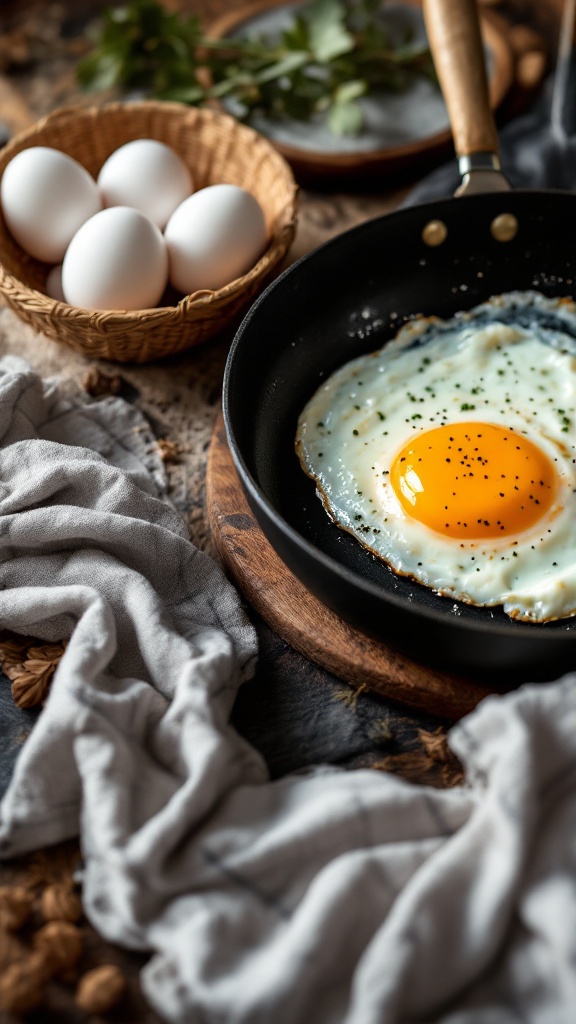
[{"x": 40, "y": 43}]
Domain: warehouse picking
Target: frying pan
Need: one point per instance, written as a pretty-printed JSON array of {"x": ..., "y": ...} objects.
[{"x": 348, "y": 297}]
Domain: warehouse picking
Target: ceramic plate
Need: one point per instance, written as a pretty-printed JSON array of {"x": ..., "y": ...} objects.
[{"x": 400, "y": 128}]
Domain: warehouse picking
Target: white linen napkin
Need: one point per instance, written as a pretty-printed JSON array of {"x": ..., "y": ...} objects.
[{"x": 326, "y": 897}]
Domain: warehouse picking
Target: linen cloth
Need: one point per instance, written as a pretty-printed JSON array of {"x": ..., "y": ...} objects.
[{"x": 322, "y": 897}]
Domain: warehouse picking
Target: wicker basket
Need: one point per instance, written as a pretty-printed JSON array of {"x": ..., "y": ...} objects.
[{"x": 217, "y": 149}]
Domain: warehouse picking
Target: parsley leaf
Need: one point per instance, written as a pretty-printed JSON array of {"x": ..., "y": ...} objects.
[{"x": 331, "y": 54}]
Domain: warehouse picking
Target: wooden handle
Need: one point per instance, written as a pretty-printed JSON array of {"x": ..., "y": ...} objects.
[{"x": 456, "y": 43}]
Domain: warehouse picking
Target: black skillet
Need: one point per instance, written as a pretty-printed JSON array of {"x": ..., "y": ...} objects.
[{"x": 348, "y": 297}]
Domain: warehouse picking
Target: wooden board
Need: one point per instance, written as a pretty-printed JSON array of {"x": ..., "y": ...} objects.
[{"x": 306, "y": 624}]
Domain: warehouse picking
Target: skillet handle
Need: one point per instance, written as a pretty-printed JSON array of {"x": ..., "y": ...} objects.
[{"x": 456, "y": 43}]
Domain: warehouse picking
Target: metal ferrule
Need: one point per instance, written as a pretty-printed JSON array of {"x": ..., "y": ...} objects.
[
  {"x": 481, "y": 172},
  {"x": 478, "y": 162}
]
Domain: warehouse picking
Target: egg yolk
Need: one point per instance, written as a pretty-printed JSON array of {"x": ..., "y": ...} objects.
[{"x": 474, "y": 480}]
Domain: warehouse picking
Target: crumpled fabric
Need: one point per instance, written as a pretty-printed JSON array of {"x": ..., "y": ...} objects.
[{"x": 328, "y": 896}]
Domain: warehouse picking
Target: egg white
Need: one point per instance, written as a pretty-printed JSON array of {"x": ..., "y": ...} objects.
[{"x": 510, "y": 361}]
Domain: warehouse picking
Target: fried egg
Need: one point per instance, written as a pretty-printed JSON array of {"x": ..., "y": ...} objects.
[{"x": 450, "y": 454}]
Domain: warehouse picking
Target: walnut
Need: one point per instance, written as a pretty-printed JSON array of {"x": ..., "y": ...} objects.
[
  {"x": 97, "y": 383},
  {"x": 60, "y": 945},
  {"x": 436, "y": 746},
  {"x": 47, "y": 652},
  {"x": 30, "y": 684},
  {"x": 59, "y": 902},
  {"x": 12, "y": 652},
  {"x": 22, "y": 985},
  {"x": 169, "y": 450},
  {"x": 15, "y": 906},
  {"x": 32, "y": 675},
  {"x": 100, "y": 989}
]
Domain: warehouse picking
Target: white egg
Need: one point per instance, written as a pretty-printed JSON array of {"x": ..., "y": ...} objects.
[
  {"x": 117, "y": 260},
  {"x": 147, "y": 175},
  {"x": 54, "y": 283},
  {"x": 46, "y": 196},
  {"x": 214, "y": 236},
  {"x": 451, "y": 454}
]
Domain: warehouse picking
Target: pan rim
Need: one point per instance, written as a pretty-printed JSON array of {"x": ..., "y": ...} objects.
[{"x": 547, "y": 632}]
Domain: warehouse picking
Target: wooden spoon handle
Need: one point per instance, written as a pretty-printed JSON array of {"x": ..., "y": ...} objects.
[{"x": 456, "y": 43}]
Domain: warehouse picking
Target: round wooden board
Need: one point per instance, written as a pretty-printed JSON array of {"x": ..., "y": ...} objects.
[{"x": 300, "y": 619}]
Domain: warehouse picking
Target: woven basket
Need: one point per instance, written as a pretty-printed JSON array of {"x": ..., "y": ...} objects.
[{"x": 216, "y": 149}]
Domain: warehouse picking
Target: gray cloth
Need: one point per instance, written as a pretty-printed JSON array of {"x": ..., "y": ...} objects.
[{"x": 326, "y": 897}]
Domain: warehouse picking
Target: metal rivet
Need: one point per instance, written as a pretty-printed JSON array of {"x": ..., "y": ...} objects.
[
  {"x": 434, "y": 232},
  {"x": 504, "y": 227}
]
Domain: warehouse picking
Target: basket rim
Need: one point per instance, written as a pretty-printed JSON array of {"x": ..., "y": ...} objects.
[
  {"x": 194, "y": 301},
  {"x": 73, "y": 111}
]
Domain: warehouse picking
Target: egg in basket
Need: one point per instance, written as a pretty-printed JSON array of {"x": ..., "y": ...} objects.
[{"x": 177, "y": 264}]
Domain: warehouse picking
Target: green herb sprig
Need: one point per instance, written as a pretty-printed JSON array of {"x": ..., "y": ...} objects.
[{"x": 330, "y": 55}]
